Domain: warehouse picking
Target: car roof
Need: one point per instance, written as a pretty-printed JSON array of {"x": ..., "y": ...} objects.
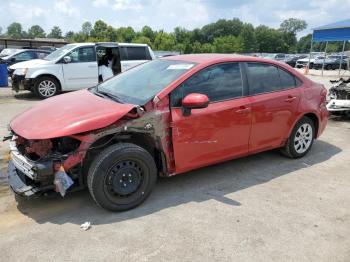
[
  {"x": 216, "y": 58},
  {"x": 120, "y": 44}
]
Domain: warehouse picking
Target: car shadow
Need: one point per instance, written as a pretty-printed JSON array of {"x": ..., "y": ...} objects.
[
  {"x": 26, "y": 95},
  {"x": 210, "y": 183}
]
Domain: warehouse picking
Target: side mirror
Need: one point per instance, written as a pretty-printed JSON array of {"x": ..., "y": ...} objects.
[
  {"x": 13, "y": 59},
  {"x": 194, "y": 101},
  {"x": 67, "y": 59}
]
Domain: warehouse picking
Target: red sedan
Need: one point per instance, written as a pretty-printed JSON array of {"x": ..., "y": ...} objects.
[{"x": 163, "y": 118}]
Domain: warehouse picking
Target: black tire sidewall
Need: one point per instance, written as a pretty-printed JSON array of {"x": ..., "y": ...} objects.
[
  {"x": 291, "y": 148},
  {"x": 109, "y": 157},
  {"x": 41, "y": 79}
]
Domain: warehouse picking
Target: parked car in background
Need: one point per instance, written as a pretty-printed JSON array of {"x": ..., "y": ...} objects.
[
  {"x": 332, "y": 62},
  {"x": 77, "y": 66},
  {"x": 23, "y": 55},
  {"x": 278, "y": 57},
  {"x": 8, "y": 51},
  {"x": 292, "y": 59},
  {"x": 305, "y": 61},
  {"x": 164, "y": 117}
]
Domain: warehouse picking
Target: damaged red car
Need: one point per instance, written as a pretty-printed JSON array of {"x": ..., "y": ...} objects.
[{"x": 162, "y": 118}]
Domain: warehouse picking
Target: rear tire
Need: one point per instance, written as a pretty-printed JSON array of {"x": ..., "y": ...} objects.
[
  {"x": 46, "y": 86},
  {"x": 301, "y": 139},
  {"x": 122, "y": 177}
]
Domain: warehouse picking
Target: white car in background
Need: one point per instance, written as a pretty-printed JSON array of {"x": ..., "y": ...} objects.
[
  {"x": 76, "y": 66},
  {"x": 304, "y": 61}
]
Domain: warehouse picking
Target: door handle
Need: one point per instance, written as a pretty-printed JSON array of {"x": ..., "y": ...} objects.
[
  {"x": 243, "y": 110},
  {"x": 290, "y": 99},
  {"x": 92, "y": 66}
]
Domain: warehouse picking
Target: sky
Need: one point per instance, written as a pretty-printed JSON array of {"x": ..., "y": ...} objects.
[{"x": 168, "y": 14}]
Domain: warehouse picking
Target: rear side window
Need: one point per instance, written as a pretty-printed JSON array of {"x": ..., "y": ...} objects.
[
  {"x": 263, "y": 78},
  {"x": 287, "y": 80},
  {"x": 134, "y": 53},
  {"x": 218, "y": 82},
  {"x": 266, "y": 78}
]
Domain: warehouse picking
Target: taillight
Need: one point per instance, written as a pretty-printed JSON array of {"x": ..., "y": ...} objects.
[{"x": 323, "y": 95}]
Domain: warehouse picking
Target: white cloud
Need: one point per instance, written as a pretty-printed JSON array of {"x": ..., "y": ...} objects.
[
  {"x": 66, "y": 8},
  {"x": 122, "y": 5},
  {"x": 100, "y": 3},
  {"x": 26, "y": 11}
]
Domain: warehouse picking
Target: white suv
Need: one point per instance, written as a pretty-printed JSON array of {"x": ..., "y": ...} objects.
[{"x": 76, "y": 66}]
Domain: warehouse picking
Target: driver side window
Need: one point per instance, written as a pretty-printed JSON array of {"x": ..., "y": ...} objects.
[
  {"x": 219, "y": 82},
  {"x": 83, "y": 54}
]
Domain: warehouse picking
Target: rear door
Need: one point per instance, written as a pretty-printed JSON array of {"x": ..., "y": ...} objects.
[
  {"x": 275, "y": 96},
  {"x": 82, "y": 71},
  {"x": 133, "y": 55},
  {"x": 218, "y": 132}
]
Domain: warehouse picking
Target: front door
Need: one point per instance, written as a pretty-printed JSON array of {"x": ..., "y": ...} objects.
[
  {"x": 218, "y": 132},
  {"x": 274, "y": 100},
  {"x": 82, "y": 71}
]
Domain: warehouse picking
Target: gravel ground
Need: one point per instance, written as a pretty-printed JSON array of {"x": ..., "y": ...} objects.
[{"x": 263, "y": 207}]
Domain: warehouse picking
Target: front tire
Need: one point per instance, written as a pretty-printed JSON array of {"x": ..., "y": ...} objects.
[
  {"x": 46, "y": 86},
  {"x": 122, "y": 177},
  {"x": 301, "y": 139}
]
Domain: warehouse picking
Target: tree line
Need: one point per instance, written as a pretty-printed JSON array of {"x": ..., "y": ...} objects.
[{"x": 222, "y": 36}]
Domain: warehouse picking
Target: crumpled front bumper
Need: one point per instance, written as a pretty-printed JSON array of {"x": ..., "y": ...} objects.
[
  {"x": 19, "y": 82},
  {"x": 28, "y": 178},
  {"x": 17, "y": 182}
]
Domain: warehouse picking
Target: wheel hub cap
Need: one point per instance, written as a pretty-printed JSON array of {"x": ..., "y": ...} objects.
[
  {"x": 47, "y": 88},
  {"x": 124, "y": 178},
  {"x": 303, "y": 138}
]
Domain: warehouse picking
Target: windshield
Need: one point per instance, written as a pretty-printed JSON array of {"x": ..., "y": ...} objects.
[
  {"x": 141, "y": 83},
  {"x": 60, "y": 52}
]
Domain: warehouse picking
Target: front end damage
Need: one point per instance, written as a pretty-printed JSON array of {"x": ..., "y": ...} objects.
[
  {"x": 339, "y": 95},
  {"x": 34, "y": 163}
]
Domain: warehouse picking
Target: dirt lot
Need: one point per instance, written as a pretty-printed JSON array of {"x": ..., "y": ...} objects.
[{"x": 259, "y": 208}]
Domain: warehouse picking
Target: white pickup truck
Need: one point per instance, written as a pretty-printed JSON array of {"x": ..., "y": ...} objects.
[{"x": 76, "y": 66}]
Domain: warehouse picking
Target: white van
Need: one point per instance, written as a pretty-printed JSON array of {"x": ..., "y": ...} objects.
[{"x": 77, "y": 66}]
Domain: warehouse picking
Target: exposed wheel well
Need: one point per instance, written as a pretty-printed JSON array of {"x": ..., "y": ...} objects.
[
  {"x": 142, "y": 140},
  {"x": 48, "y": 75},
  {"x": 314, "y": 119}
]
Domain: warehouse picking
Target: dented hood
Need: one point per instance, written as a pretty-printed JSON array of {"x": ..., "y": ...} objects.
[{"x": 68, "y": 114}]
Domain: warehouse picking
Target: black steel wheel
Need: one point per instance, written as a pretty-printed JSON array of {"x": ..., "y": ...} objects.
[{"x": 121, "y": 177}]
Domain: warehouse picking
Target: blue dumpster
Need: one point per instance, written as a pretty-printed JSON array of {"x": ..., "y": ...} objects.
[{"x": 3, "y": 75}]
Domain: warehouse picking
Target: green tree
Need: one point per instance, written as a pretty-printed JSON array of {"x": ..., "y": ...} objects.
[
  {"x": 270, "y": 40},
  {"x": 0, "y": 30},
  {"x": 36, "y": 31},
  {"x": 207, "y": 48},
  {"x": 14, "y": 30},
  {"x": 164, "y": 41},
  {"x": 86, "y": 28},
  {"x": 69, "y": 35},
  {"x": 148, "y": 32},
  {"x": 220, "y": 28},
  {"x": 248, "y": 38},
  {"x": 293, "y": 25},
  {"x": 126, "y": 33},
  {"x": 142, "y": 40},
  {"x": 304, "y": 44},
  {"x": 227, "y": 44},
  {"x": 56, "y": 32},
  {"x": 99, "y": 30},
  {"x": 290, "y": 28}
]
